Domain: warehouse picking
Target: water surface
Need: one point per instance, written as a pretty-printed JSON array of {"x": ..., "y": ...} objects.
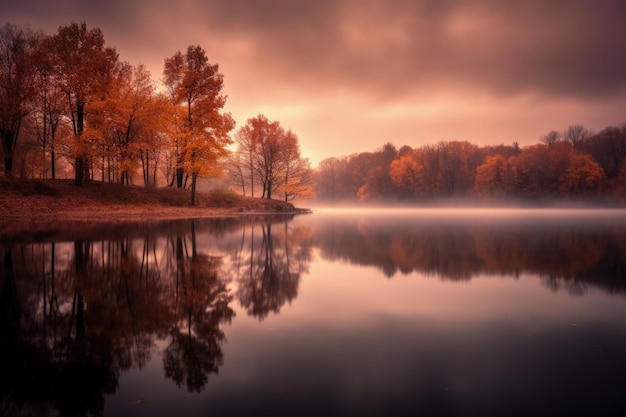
[{"x": 343, "y": 312}]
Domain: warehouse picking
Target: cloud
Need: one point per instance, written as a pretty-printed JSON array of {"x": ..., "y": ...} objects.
[
  {"x": 565, "y": 48},
  {"x": 568, "y": 48}
]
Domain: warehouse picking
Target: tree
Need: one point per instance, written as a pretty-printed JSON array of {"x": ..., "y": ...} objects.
[
  {"x": 491, "y": 176},
  {"x": 608, "y": 148},
  {"x": 17, "y": 81},
  {"x": 130, "y": 120},
  {"x": 82, "y": 66},
  {"x": 327, "y": 178},
  {"x": 407, "y": 174},
  {"x": 582, "y": 177},
  {"x": 153, "y": 142},
  {"x": 457, "y": 166},
  {"x": 195, "y": 87},
  {"x": 246, "y": 138},
  {"x": 48, "y": 108},
  {"x": 269, "y": 155},
  {"x": 377, "y": 183},
  {"x": 550, "y": 137},
  {"x": 575, "y": 135},
  {"x": 297, "y": 173},
  {"x": 268, "y": 137}
]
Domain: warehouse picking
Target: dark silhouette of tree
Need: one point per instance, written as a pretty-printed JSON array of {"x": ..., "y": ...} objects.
[
  {"x": 17, "y": 85},
  {"x": 48, "y": 108},
  {"x": 576, "y": 135}
]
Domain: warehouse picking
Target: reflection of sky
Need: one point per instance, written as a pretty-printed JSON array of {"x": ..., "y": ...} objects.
[{"x": 356, "y": 343}]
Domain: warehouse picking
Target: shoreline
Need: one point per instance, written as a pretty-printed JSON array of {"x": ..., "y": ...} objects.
[{"x": 32, "y": 206}]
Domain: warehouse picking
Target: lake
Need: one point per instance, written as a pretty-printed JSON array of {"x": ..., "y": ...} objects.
[{"x": 341, "y": 312}]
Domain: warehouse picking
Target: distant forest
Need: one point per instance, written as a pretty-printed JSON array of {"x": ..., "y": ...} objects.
[{"x": 574, "y": 164}]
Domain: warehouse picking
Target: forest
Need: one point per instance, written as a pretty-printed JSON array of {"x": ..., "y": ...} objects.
[
  {"x": 69, "y": 108},
  {"x": 574, "y": 164}
]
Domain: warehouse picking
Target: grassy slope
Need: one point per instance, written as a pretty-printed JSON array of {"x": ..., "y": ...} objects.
[{"x": 62, "y": 199}]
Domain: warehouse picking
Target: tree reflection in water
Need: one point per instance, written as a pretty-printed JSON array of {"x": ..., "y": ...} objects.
[
  {"x": 269, "y": 267},
  {"x": 201, "y": 303},
  {"x": 567, "y": 254},
  {"x": 77, "y": 312}
]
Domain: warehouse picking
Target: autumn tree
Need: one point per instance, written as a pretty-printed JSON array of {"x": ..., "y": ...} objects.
[
  {"x": 582, "y": 177},
  {"x": 529, "y": 170},
  {"x": 327, "y": 178},
  {"x": 356, "y": 171},
  {"x": 270, "y": 156},
  {"x": 296, "y": 177},
  {"x": 608, "y": 148},
  {"x": 82, "y": 66},
  {"x": 248, "y": 139},
  {"x": 48, "y": 109},
  {"x": 457, "y": 163},
  {"x": 377, "y": 184},
  {"x": 130, "y": 119},
  {"x": 268, "y": 163},
  {"x": 17, "y": 81},
  {"x": 195, "y": 88},
  {"x": 491, "y": 176},
  {"x": 153, "y": 143}
]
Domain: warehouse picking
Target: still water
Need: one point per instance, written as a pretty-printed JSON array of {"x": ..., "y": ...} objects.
[{"x": 342, "y": 312}]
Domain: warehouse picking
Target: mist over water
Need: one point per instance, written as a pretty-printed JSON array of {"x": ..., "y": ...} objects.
[{"x": 342, "y": 312}]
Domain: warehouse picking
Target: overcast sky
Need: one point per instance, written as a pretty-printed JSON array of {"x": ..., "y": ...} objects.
[{"x": 349, "y": 75}]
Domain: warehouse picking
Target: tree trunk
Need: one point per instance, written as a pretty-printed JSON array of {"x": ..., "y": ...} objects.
[
  {"x": 7, "y": 145},
  {"x": 79, "y": 167},
  {"x": 52, "y": 164},
  {"x": 179, "y": 177},
  {"x": 194, "y": 177},
  {"x": 78, "y": 170}
]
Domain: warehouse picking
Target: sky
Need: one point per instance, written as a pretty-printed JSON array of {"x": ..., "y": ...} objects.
[{"x": 348, "y": 76}]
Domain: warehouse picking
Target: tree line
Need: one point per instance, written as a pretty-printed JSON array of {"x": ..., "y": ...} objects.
[
  {"x": 575, "y": 163},
  {"x": 69, "y": 106}
]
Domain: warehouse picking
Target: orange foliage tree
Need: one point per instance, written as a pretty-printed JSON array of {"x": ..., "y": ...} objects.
[
  {"x": 407, "y": 175},
  {"x": 270, "y": 156},
  {"x": 195, "y": 88},
  {"x": 491, "y": 176},
  {"x": 582, "y": 177},
  {"x": 83, "y": 66}
]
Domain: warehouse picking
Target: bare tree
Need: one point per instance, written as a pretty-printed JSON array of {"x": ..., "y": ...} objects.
[
  {"x": 550, "y": 137},
  {"x": 576, "y": 134}
]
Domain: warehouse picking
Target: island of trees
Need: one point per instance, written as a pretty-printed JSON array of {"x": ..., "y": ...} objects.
[{"x": 70, "y": 108}]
